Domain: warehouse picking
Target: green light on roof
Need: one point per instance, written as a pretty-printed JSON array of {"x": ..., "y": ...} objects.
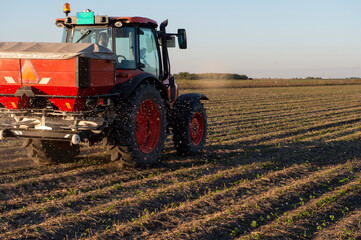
[{"x": 85, "y": 17}]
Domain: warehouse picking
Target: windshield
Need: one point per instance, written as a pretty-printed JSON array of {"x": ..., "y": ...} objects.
[
  {"x": 124, "y": 39},
  {"x": 87, "y": 34}
]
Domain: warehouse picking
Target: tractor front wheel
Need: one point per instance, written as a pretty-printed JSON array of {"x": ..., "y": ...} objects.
[{"x": 190, "y": 128}]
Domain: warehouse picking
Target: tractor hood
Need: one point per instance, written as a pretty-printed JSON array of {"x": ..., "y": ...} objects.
[{"x": 29, "y": 50}]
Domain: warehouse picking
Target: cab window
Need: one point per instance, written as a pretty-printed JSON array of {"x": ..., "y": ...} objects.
[
  {"x": 148, "y": 52},
  {"x": 125, "y": 48},
  {"x": 87, "y": 34}
]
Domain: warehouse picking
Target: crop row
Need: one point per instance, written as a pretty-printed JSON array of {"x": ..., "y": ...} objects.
[{"x": 281, "y": 163}]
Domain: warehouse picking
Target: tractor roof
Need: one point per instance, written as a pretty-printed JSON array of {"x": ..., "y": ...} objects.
[
  {"x": 134, "y": 20},
  {"x": 127, "y": 20}
]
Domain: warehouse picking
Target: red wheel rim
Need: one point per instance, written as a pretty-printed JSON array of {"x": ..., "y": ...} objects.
[
  {"x": 197, "y": 128},
  {"x": 148, "y": 126}
]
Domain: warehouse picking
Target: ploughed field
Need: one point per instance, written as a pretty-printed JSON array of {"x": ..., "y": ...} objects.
[{"x": 280, "y": 163}]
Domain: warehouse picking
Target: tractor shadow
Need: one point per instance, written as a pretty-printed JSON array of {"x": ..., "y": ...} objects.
[
  {"x": 325, "y": 151},
  {"x": 320, "y": 153}
]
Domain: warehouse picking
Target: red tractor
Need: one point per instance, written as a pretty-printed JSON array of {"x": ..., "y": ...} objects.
[{"x": 108, "y": 81}]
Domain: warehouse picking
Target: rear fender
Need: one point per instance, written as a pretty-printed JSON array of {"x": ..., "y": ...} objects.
[
  {"x": 189, "y": 99},
  {"x": 127, "y": 88},
  {"x": 185, "y": 102}
]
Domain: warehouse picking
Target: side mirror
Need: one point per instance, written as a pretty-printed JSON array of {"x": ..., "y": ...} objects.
[{"x": 182, "y": 39}]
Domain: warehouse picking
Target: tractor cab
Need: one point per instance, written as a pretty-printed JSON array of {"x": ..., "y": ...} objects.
[{"x": 135, "y": 40}]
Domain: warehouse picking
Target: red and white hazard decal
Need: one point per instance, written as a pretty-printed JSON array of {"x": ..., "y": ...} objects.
[
  {"x": 28, "y": 75},
  {"x": 9, "y": 80}
]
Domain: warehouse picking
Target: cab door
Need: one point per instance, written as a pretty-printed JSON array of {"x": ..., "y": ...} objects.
[{"x": 149, "y": 52}]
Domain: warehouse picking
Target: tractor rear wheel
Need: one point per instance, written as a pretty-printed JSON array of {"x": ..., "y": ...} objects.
[
  {"x": 44, "y": 152},
  {"x": 137, "y": 137},
  {"x": 190, "y": 128}
]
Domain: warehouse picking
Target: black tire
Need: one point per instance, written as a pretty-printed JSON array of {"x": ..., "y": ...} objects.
[
  {"x": 125, "y": 138},
  {"x": 45, "y": 152},
  {"x": 189, "y": 127}
]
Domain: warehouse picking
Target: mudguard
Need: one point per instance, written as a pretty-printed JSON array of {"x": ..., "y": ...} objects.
[
  {"x": 189, "y": 98},
  {"x": 127, "y": 88},
  {"x": 184, "y": 102}
]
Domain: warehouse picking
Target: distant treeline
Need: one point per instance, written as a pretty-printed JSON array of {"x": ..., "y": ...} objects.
[
  {"x": 197, "y": 76},
  {"x": 319, "y": 78}
]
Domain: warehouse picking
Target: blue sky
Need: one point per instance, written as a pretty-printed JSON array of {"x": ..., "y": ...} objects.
[{"x": 260, "y": 38}]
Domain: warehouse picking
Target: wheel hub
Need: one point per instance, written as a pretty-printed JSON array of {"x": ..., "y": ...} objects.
[
  {"x": 148, "y": 126},
  {"x": 197, "y": 128}
]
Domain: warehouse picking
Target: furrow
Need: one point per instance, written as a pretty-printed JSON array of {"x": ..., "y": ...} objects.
[
  {"x": 348, "y": 227},
  {"x": 88, "y": 187},
  {"x": 282, "y": 112},
  {"x": 213, "y": 215},
  {"x": 124, "y": 207},
  {"x": 282, "y": 134},
  {"x": 311, "y": 217}
]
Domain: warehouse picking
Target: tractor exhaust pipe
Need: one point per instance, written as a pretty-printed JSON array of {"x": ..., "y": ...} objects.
[{"x": 166, "y": 63}]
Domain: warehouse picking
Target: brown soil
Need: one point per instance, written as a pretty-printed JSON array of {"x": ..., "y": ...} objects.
[{"x": 280, "y": 163}]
